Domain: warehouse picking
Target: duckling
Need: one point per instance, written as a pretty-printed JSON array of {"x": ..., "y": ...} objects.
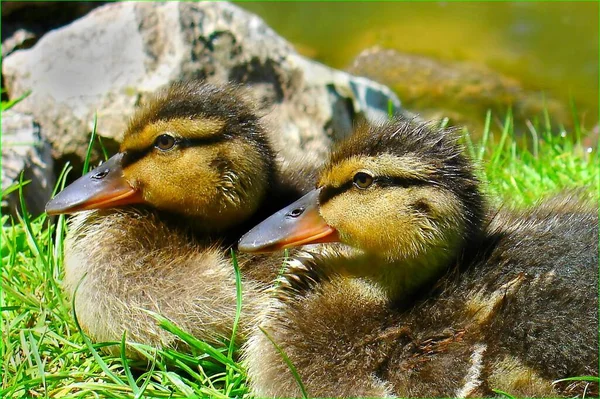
[
  {"x": 195, "y": 169},
  {"x": 425, "y": 290}
]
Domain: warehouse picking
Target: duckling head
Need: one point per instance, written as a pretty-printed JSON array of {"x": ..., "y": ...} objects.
[
  {"x": 402, "y": 190},
  {"x": 193, "y": 149}
]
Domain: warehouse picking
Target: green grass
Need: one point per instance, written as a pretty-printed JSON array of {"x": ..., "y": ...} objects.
[
  {"x": 537, "y": 164},
  {"x": 45, "y": 354}
]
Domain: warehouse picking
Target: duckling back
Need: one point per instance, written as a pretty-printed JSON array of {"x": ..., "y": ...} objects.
[
  {"x": 512, "y": 303},
  {"x": 515, "y": 313},
  {"x": 520, "y": 315}
]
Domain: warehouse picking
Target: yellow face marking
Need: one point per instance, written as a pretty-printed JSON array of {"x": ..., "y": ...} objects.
[
  {"x": 381, "y": 165},
  {"x": 383, "y": 220},
  {"x": 177, "y": 127},
  {"x": 188, "y": 182}
]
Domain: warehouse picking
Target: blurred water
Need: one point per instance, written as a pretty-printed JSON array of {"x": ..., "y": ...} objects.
[{"x": 551, "y": 46}]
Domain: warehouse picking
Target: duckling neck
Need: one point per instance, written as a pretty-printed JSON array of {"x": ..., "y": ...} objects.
[
  {"x": 399, "y": 279},
  {"x": 204, "y": 229}
]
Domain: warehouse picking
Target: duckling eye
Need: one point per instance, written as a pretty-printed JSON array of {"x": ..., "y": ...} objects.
[
  {"x": 362, "y": 180},
  {"x": 164, "y": 142}
]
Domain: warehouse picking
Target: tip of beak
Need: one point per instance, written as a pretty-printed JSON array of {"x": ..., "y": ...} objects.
[
  {"x": 51, "y": 208},
  {"x": 58, "y": 205},
  {"x": 253, "y": 244}
]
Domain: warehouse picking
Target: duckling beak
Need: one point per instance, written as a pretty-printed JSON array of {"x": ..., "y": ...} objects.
[
  {"x": 103, "y": 187},
  {"x": 298, "y": 224}
]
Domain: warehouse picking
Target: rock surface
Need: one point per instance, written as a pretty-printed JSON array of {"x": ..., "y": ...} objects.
[
  {"x": 109, "y": 60},
  {"x": 462, "y": 91},
  {"x": 24, "y": 150},
  {"x": 20, "y": 39}
]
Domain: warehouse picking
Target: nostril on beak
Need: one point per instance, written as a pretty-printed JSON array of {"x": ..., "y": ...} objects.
[
  {"x": 296, "y": 212},
  {"x": 100, "y": 175}
]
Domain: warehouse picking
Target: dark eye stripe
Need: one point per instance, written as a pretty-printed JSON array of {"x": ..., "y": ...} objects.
[
  {"x": 328, "y": 192},
  {"x": 203, "y": 141},
  {"x": 134, "y": 156},
  {"x": 400, "y": 181}
]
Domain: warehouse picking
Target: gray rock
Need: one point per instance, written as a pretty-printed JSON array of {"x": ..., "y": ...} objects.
[
  {"x": 469, "y": 90},
  {"x": 110, "y": 59},
  {"x": 20, "y": 39},
  {"x": 24, "y": 150}
]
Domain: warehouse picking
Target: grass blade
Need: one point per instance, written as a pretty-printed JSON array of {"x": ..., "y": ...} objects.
[
  {"x": 288, "y": 362},
  {"x": 469, "y": 144},
  {"x": 236, "y": 321},
  {"x": 390, "y": 109},
  {"x": 485, "y": 136},
  {"x": 238, "y": 307},
  {"x": 506, "y": 130},
  {"x": 36, "y": 354},
  {"x": 167, "y": 325},
  {"x": 147, "y": 380},
  {"x": 11, "y": 103},
  {"x": 14, "y": 187},
  {"x": 589, "y": 378},
  {"x": 86, "y": 162},
  {"x": 126, "y": 368},
  {"x": 506, "y": 394}
]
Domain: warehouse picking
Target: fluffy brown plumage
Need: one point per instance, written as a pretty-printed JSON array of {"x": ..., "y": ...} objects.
[
  {"x": 195, "y": 169},
  {"x": 507, "y": 300}
]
